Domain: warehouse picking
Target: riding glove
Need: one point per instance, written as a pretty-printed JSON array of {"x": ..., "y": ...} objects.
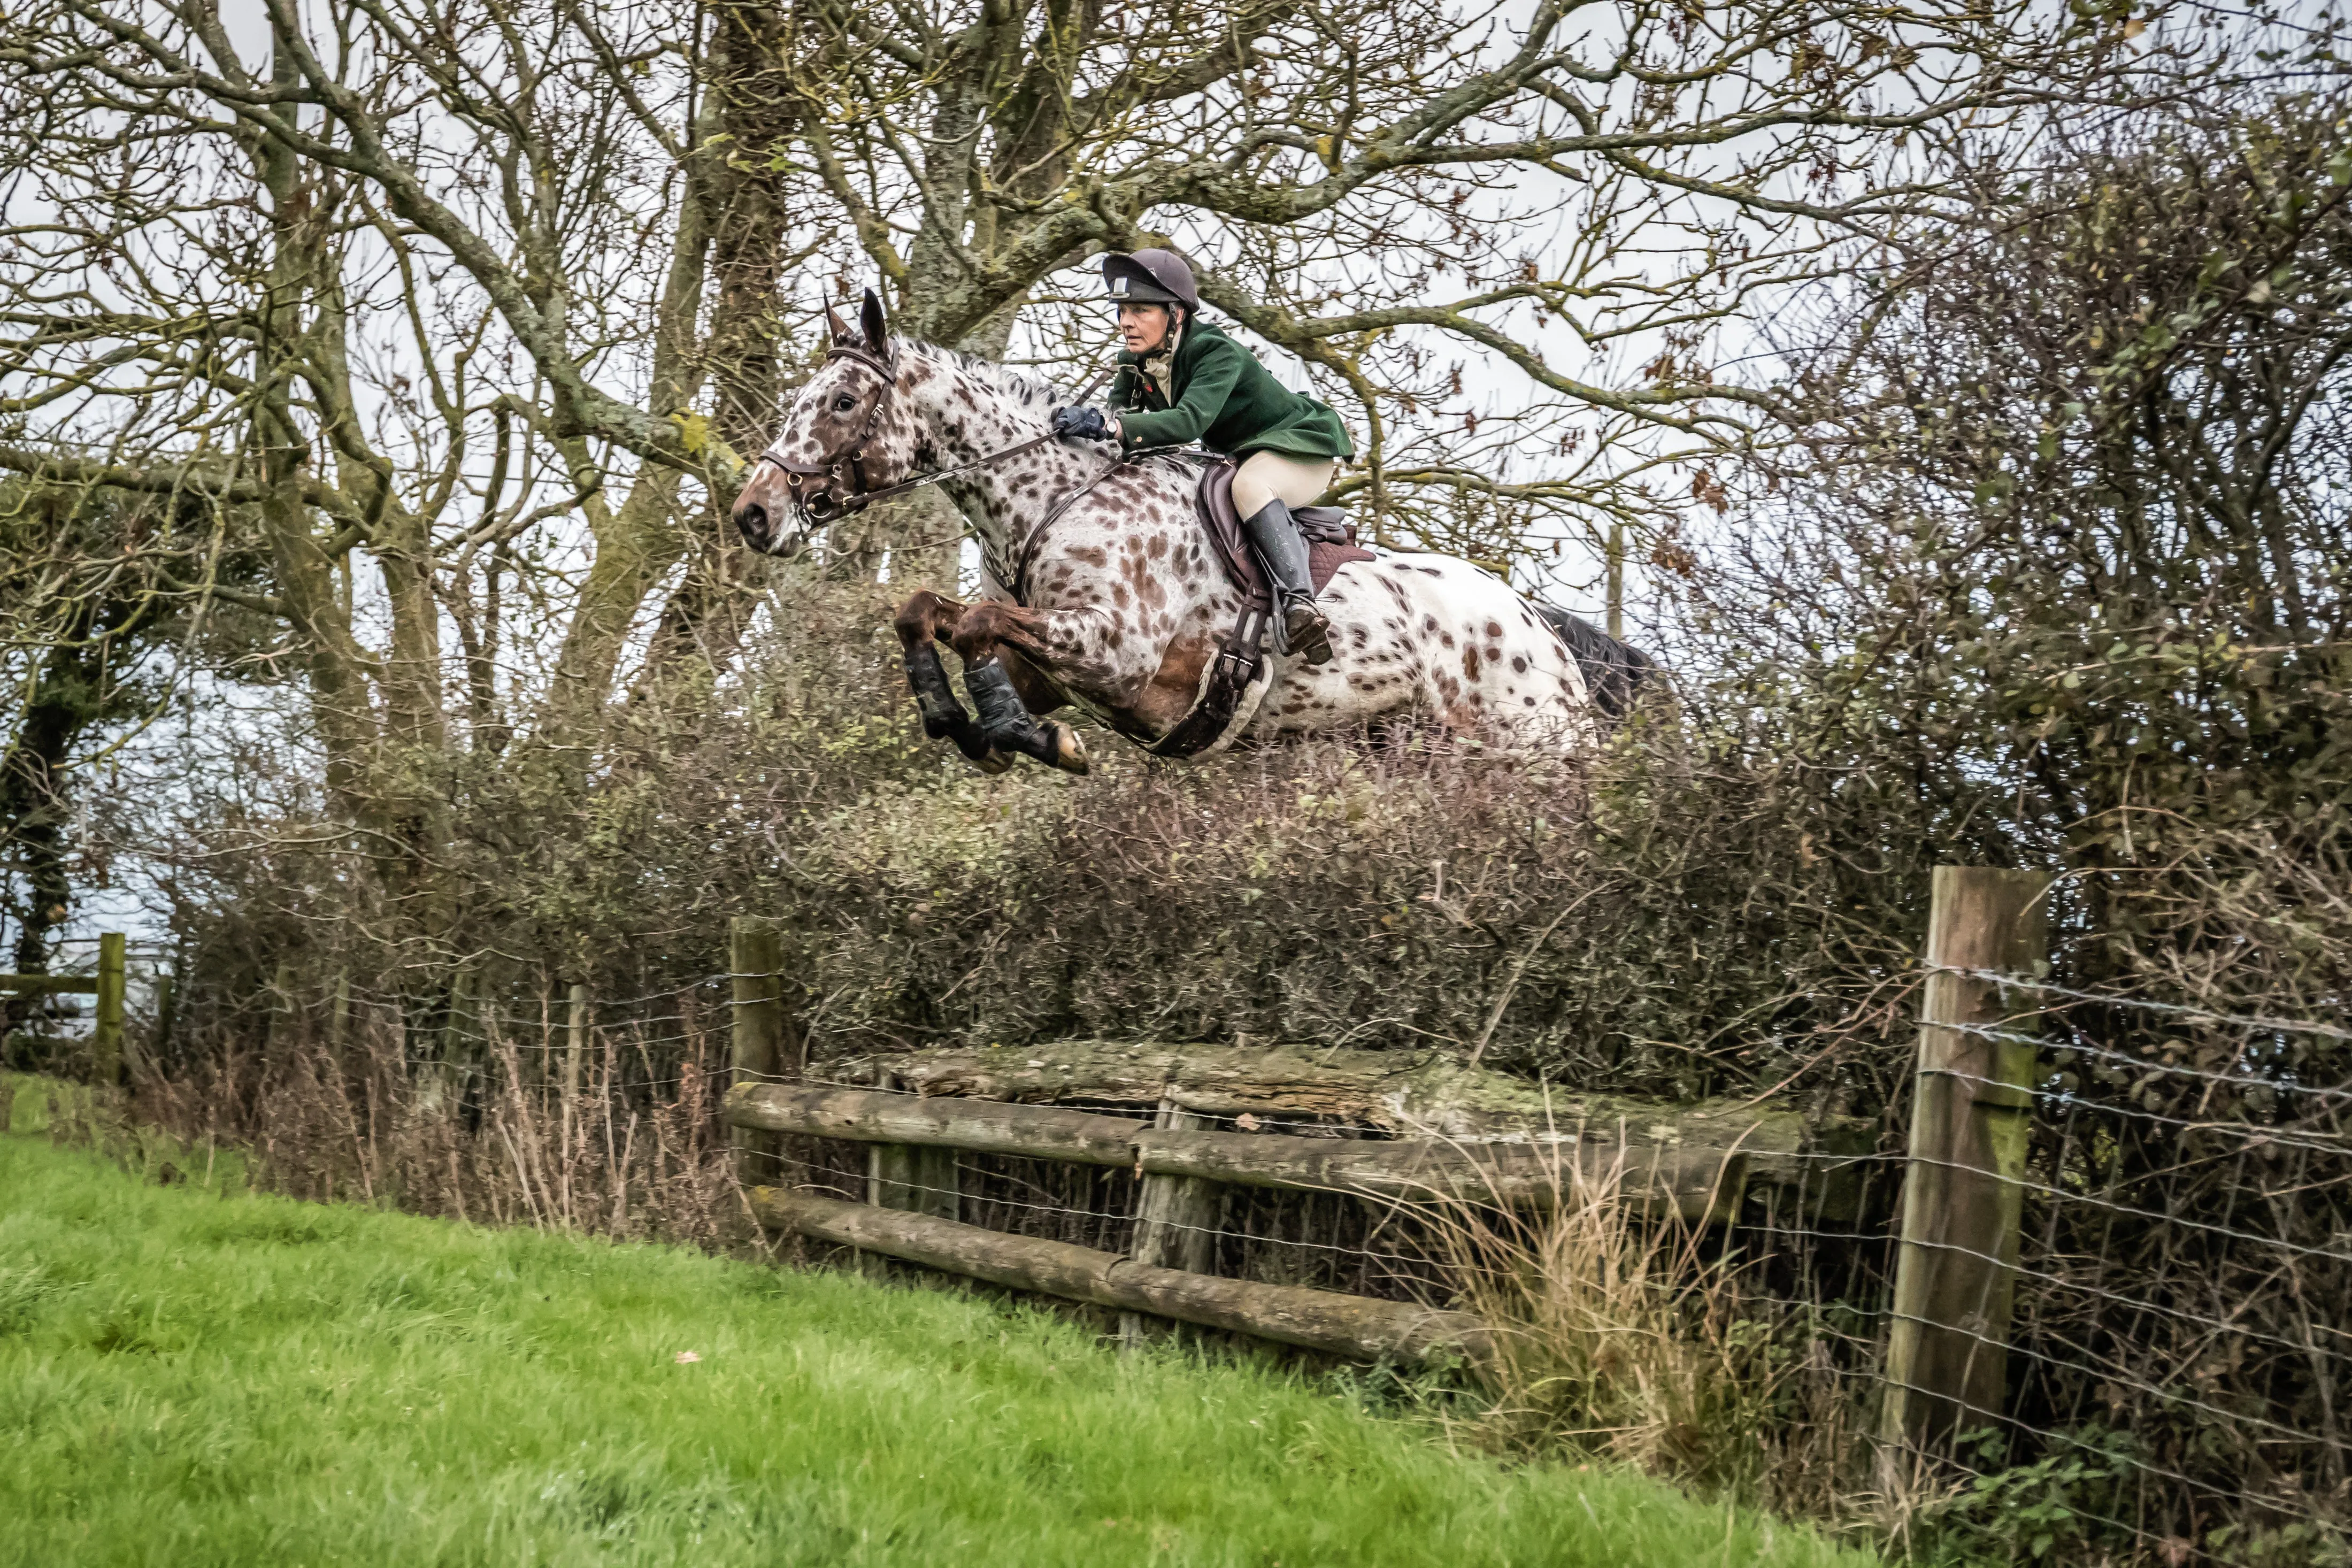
[{"x": 1087, "y": 423}]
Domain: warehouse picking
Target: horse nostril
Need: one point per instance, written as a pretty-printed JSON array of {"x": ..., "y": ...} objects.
[{"x": 751, "y": 520}]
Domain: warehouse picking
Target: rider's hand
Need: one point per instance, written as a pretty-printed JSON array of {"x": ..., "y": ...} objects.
[{"x": 1086, "y": 423}]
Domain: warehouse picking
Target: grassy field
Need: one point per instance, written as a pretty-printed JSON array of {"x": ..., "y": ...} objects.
[{"x": 191, "y": 1376}]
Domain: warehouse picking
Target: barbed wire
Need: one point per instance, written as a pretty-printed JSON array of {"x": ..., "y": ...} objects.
[
  {"x": 1942, "y": 1460},
  {"x": 2033, "y": 1186},
  {"x": 2108, "y": 999},
  {"x": 2073, "y": 1100},
  {"x": 2147, "y": 1065}
]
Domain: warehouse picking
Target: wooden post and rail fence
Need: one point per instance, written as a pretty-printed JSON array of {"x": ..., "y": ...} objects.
[
  {"x": 107, "y": 985},
  {"x": 1465, "y": 1139}
]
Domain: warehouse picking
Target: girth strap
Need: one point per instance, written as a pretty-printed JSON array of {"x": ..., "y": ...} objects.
[{"x": 1241, "y": 658}]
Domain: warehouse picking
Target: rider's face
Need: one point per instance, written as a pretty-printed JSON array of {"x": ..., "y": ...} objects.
[{"x": 1142, "y": 327}]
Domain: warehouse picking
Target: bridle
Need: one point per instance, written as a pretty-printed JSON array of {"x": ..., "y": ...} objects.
[
  {"x": 851, "y": 465},
  {"x": 848, "y": 470}
]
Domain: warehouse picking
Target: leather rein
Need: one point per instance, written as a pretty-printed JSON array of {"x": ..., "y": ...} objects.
[{"x": 849, "y": 469}]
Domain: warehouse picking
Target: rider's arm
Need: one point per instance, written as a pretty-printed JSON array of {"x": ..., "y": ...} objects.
[{"x": 1212, "y": 382}]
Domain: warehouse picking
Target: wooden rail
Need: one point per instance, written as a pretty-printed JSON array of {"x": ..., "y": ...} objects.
[
  {"x": 1694, "y": 1183},
  {"x": 1326, "y": 1320},
  {"x": 1411, "y": 1094},
  {"x": 47, "y": 984}
]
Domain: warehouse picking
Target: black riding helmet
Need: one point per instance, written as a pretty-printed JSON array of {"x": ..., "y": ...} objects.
[{"x": 1150, "y": 278}]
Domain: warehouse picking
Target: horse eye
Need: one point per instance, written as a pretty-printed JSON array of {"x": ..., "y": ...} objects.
[{"x": 845, "y": 403}]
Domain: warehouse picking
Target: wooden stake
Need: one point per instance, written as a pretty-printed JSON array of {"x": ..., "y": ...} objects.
[
  {"x": 920, "y": 1178},
  {"x": 106, "y": 1036},
  {"x": 167, "y": 1002},
  {"x": 575, "y": 1047},
  {"x": 1176, "y": 1219},
  {"x": 339, "y": 1022},
  {"x": 1947, "y": 1351},
  {"x": 756, "y": 956},
  {"x": 914, "y": 1178},
  {"x": 460, "y": 1049}
]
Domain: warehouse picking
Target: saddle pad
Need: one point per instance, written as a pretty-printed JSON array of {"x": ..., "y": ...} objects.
[{"x": 1330, "y": 539}]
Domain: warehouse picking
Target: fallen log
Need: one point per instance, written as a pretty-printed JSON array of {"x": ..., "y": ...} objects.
[
  {"x": 1693, "y": 1181},
  {"x": 1427, "y": 1094},
  {"x": 985, "y": 1127},
  {"x": 1350, "y": 1326}
]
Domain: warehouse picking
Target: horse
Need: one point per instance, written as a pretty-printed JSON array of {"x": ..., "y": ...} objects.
[{"x": 1102, "y": 590}]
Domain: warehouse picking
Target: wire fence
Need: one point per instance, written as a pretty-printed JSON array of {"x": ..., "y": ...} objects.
[
  {"x": 2183, "y": 1310},
  {"x": 2179, "y": 1352}
]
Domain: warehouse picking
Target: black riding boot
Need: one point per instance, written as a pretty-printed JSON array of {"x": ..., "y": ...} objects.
[{"x": 1298, "y": 625}]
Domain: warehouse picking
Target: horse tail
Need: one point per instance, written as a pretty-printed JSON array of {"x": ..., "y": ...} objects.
[{"x": 1613, "y": 672}]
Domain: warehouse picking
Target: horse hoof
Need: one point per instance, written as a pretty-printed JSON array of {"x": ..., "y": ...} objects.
[
  {"x": 1070, "y": 752},
  {"x": 995, "y": 762}
]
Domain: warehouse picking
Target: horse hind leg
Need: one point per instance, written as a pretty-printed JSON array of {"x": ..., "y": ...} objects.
[
  {"x": 919, "y": 626},
  {"x": 1003, "y": 717}
]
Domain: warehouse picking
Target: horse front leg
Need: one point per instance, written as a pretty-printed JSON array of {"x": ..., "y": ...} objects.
[
  {"x": 979, "y": 636},
  {"x": 922, "y": 623}
]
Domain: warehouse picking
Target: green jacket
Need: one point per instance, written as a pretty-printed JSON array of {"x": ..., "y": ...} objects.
[{"x": 1223, "y": 398}]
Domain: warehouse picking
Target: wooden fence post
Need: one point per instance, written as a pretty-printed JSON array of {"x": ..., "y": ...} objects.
[
  {"x": 575, "y": 1050},
  {"x": 462, "y": 1048},
  {"x": 106, "y": 1036},
  {"x": 1956, "y": 1269},
  {"x": 756, "y": 958},
  {"x": 339, "y": 1022},
  {"x": 167, "y": 1012},
  {"x": 918, "y": 1179},
  {"x": 1176, "y": 1219}
]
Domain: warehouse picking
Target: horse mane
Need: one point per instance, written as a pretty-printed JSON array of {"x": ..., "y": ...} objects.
[{"x": 1033, "y": 394}]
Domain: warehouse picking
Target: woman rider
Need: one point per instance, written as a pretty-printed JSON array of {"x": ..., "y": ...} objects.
[{"x": 1182, "y": 380}]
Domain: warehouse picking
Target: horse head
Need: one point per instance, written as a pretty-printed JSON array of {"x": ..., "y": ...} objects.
[{"x": 845, "y": 437}]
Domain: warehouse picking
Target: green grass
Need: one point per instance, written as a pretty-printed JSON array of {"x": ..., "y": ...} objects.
[{"x": 190, "y": 1377}]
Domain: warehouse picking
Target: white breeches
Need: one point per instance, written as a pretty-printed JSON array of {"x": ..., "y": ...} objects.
[{"x": 1269, "y": 475}]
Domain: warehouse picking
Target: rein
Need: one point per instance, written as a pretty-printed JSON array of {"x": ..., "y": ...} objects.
[
  {"x": 1024, "y": 554},
  {"x": 843, "y": 469}
]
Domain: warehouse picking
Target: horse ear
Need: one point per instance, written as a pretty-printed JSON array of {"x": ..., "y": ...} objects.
[
  {"x": 877, "y": 330},
  {"x": 834, "y": 324}
]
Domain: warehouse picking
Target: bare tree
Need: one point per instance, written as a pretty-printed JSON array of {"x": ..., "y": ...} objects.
[
  {"x": 465, "y": 317},
  {"x": 1582, "y": 199}
]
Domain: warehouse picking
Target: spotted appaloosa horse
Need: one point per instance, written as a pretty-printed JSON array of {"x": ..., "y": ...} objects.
[{"x": 1125, "y": 604}]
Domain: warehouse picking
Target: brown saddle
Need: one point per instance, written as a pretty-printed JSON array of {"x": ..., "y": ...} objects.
[
  {"x": 1241, "y": 656},
  {"x": 1330, "y": 537}
]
